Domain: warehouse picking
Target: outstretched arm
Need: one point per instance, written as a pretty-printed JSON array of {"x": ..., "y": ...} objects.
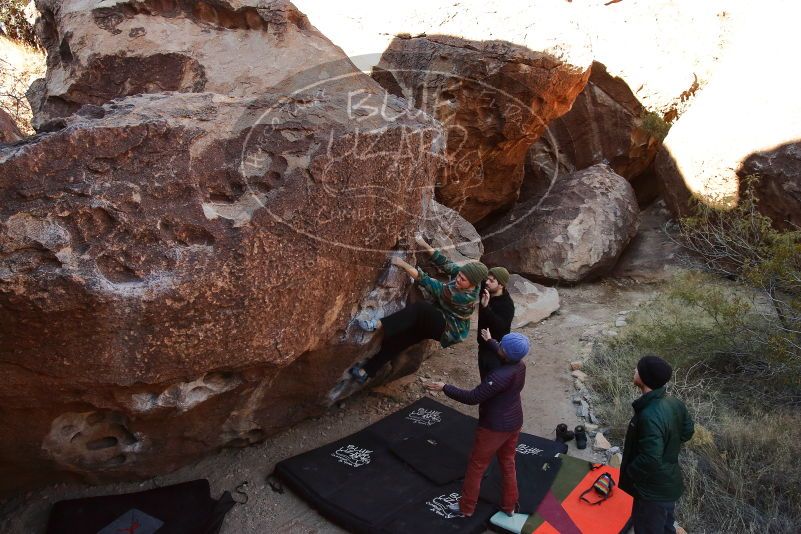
[
  {"x": 411, "y": 271},
  {"x": 447, "y": 266}
]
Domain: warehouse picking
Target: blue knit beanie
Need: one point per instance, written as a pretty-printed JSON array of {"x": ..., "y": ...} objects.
[{"x": 515, "y": 346}]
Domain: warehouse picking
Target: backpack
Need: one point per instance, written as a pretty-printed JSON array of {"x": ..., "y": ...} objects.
[{"x": 603, "y": 486}]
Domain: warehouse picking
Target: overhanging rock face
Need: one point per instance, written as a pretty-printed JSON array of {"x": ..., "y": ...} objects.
[{"x": 179, "y": 270}]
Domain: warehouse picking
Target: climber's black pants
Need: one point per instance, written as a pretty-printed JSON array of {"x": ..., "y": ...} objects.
[{"x": 402, "y": 329}]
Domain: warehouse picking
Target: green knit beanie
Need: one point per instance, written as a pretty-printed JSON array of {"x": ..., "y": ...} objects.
[
  {"x": 500, "y": 274},
  {"x": 475, "y": 271}
]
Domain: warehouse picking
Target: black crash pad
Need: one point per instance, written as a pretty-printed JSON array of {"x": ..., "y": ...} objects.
[
  {"x": 179, "y": 509},
  {"x": 391, "y": 477}
]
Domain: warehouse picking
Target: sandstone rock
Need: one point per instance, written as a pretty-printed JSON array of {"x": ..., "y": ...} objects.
[
  {"x": 601, "y": 443},
  {"x": 493, "y": 99},
  {"x": 575, "y": 366},
  {"x": 574, "y": 232},
  {"x": 607, "y": 124},
  {"x": 710, "y": 143},
  {"x": 9, "y": 132},
  {"x": 581, "y": 375},
  {"x": 451, "y": 234},
  {"x": 179, "y": 271},
  {"x": 616, "y": 460},
  {"x": 533, "y": 302},
  {"x": 778, "y": 188},
  {"x": 98, "y": 51}
]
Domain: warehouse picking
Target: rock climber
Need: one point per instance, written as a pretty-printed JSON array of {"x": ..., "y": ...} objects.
[{"x": 446, "y": 320}]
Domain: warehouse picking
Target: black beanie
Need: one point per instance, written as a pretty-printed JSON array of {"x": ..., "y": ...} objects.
[{"x": 654, "y": 371}]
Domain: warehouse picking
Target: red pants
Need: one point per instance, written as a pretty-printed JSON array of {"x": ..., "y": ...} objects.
[{"x": 487, "y": 444}]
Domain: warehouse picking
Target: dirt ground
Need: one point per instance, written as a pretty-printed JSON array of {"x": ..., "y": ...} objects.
[{"x": 587, "y": 311}]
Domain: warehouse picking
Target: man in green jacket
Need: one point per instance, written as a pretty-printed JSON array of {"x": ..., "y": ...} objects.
[{"x": 650, "y": 469}]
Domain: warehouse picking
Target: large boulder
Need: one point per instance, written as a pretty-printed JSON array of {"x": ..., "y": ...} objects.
[
  {"x": 493, "y": 98},
  {"x": 778, "y": 183},
  {"x": 734, "y": 120},
  {"x": 9, "y": 132},
  {"x": 98, "y": 51},
  {"x": 574, "y": 231},
  {"x": 179, "y": 272},
  {"x": 607, "y": 124}
]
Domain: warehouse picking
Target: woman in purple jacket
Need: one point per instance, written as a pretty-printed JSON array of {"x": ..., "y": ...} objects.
[{"x": 500, "y": 418}]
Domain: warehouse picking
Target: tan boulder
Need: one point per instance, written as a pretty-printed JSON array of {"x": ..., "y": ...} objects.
[
  {"x": 493, "y": 99},
  {"x": 575, "y": 231},
  {"x": 533, "y": 302}
]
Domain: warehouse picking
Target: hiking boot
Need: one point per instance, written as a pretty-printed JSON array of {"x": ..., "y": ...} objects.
[
  {"x": 368, "y": 325},
  {"x": 358, "y": 374},
  {"x": 563, "y": 435},
  {"x": 581, "y": 437},
  {"x": 456, "y": 509}
]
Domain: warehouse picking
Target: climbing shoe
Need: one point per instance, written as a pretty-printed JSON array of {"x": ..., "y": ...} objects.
[
  {"x": 368, "y": 325},
  {"x": 581, "y": 437},
  {"x": 358, "y": 374},
  {"x": 563, "y": 435},
  {"x": 516, "y": 509},
  {"x": 456, "y": 509}
]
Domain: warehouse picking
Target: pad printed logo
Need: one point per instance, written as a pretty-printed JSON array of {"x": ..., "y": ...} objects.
[
  {"x": 421, "y": 416},
  {"x": 522, "y": 448},
  {"x": 352, "y": 455},
  {"x": 439, "y": 505}
]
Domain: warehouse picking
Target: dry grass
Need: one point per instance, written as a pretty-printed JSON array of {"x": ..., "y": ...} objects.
[
  {"x": 19, "y": 66},
  {"x": 742, "y": 469}
]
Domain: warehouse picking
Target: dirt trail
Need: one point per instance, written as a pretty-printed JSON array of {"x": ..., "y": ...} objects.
[{"x": 586, "y": 312}]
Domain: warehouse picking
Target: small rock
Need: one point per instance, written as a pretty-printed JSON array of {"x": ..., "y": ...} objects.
[
  {"x": 590, "y": 427},
  {"x": 614, "y": 450},
  {"x": 621, "y": 321},
  {"x": 593, "y": 418},
  {"x": 575, "y": 366},
  {"x": 578, "y": 384},
  {"x": 610, "y": 333},
  {"x": 583, "y": 409},
  {"x": 577, "y": 399},
  {"x": 601, "y": 443},
  {"x": 581, "y": 375},
  {"x": 616, "y": 460}
]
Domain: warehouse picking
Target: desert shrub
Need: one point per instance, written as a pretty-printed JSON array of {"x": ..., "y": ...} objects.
[
  {"x": 731, "y": 328},
  {"x": 15, "y": 23},
  {"x": 19, "y": 66},
  {"x": 740, "y": 469},
  {"x": 655, "y": 125}
]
